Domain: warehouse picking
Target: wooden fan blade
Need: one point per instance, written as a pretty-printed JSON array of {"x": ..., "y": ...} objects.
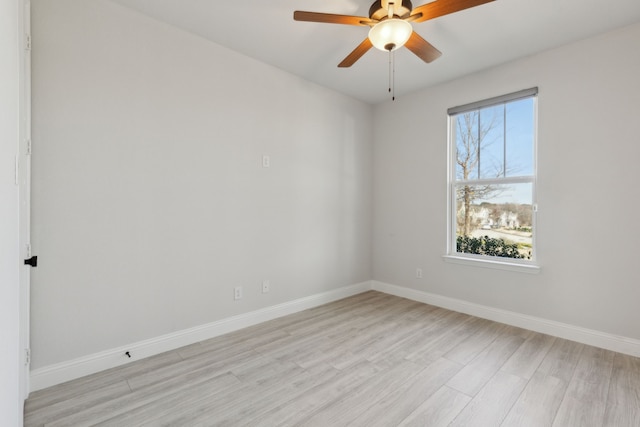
[
  {"x": 439, "y": 8},
  {"x": 330, "y": 18},
  {"x": 414, "y": 17},
  {"x": 356, "y": 54},
  {"x": 422, "y": 48}
]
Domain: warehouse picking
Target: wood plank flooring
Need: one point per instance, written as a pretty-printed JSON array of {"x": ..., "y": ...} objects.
[{"x": 369, "y": 360}]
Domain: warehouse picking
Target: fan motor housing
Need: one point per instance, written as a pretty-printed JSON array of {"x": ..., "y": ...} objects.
[{"x": 402, "y": 9}]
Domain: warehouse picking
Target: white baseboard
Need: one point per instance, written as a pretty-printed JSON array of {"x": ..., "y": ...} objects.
[
  {"x": 66, "y": 371},
  {"x": 604, "y": 340},
  {"x": 56, "y": 374}
]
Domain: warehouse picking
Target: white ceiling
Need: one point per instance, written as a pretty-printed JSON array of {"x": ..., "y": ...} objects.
[{"x": 470, "y": 40}]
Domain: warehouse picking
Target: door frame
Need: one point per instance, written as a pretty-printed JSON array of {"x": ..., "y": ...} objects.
[{"x": 24, "y": 180}]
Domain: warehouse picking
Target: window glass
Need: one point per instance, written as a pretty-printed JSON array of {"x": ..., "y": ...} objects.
[
  {"x": 519, "y": 137},
  {"x": 496, "y": 212}
]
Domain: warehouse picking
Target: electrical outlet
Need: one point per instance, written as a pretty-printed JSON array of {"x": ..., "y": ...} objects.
[
  {"x": 237, "y": 293},
  {"x": 418, "y": 273},
  {"x": 265, "y": 286},
  {"x": 266, "y": 161}
]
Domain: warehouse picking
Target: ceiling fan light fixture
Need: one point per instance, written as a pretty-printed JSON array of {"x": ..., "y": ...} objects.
[{"x": 390, "y": 34}]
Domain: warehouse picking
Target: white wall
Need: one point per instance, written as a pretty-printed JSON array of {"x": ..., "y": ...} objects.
[
  {"x": 588, "y": 164},
  {"x": 10, "y": 399},
  {"x": 150, "y": 202}
]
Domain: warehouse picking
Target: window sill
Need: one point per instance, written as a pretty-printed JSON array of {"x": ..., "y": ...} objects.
[{"x": 491, "y": 263}]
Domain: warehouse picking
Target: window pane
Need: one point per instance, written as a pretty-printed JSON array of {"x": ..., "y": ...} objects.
[
  {"x": 491, "y": 133},
  {"x": 519, "y": 137},
  {"x": 466, "y": 136},
  {"x": 495, "y": 141},
  {"x": 495, "y": 220}
]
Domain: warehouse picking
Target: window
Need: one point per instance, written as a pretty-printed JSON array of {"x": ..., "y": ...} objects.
[{"x": 492, "y": 176}]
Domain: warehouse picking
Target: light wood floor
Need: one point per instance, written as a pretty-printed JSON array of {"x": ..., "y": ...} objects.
[{"x": 368, "y": 360}]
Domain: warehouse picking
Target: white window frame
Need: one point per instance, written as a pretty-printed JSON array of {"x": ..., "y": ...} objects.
[{"x": 512, "y": 264}]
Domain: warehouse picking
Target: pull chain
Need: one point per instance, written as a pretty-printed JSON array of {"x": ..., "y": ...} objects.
[
  {"x": 392, "y": 74},
  {"x": 390, "y": 70}
]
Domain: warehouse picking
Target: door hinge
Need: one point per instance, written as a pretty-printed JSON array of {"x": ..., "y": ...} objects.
[
  {"x": 27, "y": 356},
  {"x": 27, "y": 41},
  {"x": 28, "y": 146},
  {"x": 28, "y": 245}
]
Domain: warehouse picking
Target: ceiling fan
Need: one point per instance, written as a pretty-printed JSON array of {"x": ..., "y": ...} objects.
[{"x": 390, "y": 22}]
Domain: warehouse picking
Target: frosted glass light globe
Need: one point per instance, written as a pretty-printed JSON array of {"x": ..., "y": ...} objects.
[{"x": 390, "y": 34}]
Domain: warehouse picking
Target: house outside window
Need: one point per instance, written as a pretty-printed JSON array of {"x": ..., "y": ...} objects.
[{"x": 492, "y": 177}]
